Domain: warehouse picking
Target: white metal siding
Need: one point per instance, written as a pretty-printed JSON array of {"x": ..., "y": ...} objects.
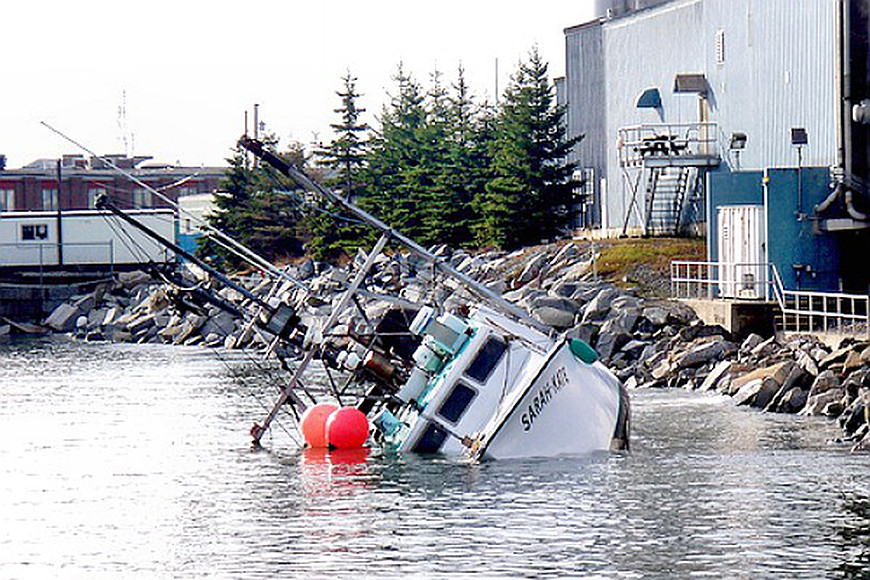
[
  {"x": 742, "y": 254},
  {"x": 89, "y": 238},
  {"x": 585, "y": 95},
  {"x": 779, "y": 72},
  {"x": 647, "y": 50}
]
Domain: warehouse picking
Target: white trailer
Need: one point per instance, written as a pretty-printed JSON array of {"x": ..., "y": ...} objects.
[{"x": 88, "y": 238}]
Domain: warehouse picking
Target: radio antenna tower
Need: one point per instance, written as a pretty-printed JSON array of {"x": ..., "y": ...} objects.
[{"x": 123, "y": 135}]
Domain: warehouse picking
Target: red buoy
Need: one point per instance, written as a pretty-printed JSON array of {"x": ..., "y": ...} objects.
[
  {"x": 347, "y": 428},
  {"x": 313, "y": 424}
]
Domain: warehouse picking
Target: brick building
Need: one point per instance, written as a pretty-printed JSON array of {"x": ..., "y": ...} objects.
[{"x": 41, "y": 186}]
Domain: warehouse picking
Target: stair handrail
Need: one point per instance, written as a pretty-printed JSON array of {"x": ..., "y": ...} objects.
[{"x": 778, "y": 287}]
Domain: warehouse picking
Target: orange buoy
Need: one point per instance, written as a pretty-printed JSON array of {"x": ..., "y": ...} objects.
[
  {"x": 313, "y": 424},
  {"x": 347, "y": 428}
]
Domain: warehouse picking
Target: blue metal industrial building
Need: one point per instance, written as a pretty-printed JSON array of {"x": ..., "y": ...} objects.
[{"x": 697, "y": 113}]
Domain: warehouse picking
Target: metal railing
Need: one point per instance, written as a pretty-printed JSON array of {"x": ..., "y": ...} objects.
[
  {"x": 715, "y": 280},
  {"x": 667, "y": 141},
  {"x": 800, "y": 311},
  {"x": 45, "y": 254}
]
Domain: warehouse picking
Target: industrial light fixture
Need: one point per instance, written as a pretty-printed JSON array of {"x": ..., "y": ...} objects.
[
  {"x": 799, "y": 136},
  {"x": 799, "y": 139},
  {"x": 691, "y": 83},
  {"x": 738, "y": 141},
  {"x": 736, "y": 145}
]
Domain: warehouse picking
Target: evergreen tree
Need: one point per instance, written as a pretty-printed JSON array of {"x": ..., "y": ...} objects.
[
  {"x": 345, "y": 158},
  {"x": 438, "y": 209},
  {"x": 345, "y": 155},
  {"x": 255, "y": 211},
  {"x": 396, "y": 176},
  {"x": 530, "y": 194},
  {"x": 467, "y": 171},
  {"x": 232, "y": 204}
]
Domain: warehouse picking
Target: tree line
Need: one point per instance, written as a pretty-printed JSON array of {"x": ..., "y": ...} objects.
[{"x": 441, "y": 167}]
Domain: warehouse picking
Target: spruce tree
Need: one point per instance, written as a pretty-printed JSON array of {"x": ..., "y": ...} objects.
[
  {"x": 531, "y": 192},
  {"x": 396, "y": 175},
  {"x": 331, "y": 235},
  {"x": 232, "y": 205},
  {"x": 255, "y": 210}
]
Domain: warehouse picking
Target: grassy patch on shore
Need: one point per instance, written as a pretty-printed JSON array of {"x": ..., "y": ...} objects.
[{"x": 644, "y": 263}]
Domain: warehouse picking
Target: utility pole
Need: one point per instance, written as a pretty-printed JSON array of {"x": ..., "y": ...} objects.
[
  {"x": 59, "y": 215},
  {"x": 256, "y": 131}
]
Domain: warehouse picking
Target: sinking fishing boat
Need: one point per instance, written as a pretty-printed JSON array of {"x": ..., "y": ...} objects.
[{"x": 485, "y": 380}]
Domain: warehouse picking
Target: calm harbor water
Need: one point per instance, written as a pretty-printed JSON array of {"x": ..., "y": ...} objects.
[{"x": 122, "y": 461}]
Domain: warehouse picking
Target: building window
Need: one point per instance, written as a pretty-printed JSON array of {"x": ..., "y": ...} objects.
[
  {"x": 49, "y": 199},
  {"x": 486, "y": 360},
  {"x": 7, "y": 200},
  {"x": 93, "y": 194},
  {"x": 720, "y": 47},
  {"x": 33, "y": 232},
  {"x": 141, "y": 198}
]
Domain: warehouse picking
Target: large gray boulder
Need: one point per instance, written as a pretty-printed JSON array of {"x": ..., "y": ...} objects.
[
  {"x": 533, "y": 269},
  {"x": 816, "y": 404},
  {"x": 769, "y": 388},
  {"x": 705, "y": 351},
  {"x": 63, "y": 318},
  {"x": 555, "y": 317},
  {"x": 657, "y": 315},
  {"x": 597, "y": 308},
  {"x": 747, "y": 393},
  {"x": 719, "y": 371},
  {"x": 611, "y": 338},
  {"x": 793, "y": 400},
  {"x": 826, "y": 381}
]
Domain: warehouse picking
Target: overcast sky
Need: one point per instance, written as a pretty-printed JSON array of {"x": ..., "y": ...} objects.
[{"x": 191, "y": 68}]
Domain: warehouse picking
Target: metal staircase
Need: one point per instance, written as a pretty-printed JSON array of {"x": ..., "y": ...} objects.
[
  {"x": 663, "y": 168},
  {"x": 666, "y": 193}
]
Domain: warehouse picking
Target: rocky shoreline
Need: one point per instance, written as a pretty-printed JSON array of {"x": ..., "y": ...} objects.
[{"x": 648, "y": 342}]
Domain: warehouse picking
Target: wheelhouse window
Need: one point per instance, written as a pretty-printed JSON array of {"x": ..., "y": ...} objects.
[
  {"x": 486, "y": 360},
  {"x": 431, "y": 440},
  {"x": 457, "y": 402},
  {"x": 33, "y": 232}
]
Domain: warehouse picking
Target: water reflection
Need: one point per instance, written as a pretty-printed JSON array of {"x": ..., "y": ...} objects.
[{"x": 855, "y": 536}]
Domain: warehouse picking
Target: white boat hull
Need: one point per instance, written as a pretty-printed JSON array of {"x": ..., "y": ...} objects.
[{"x": 571, "y": 407}]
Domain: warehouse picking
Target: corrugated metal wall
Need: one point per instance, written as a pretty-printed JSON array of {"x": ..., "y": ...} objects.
[
  {"x": 779, "y": 72},
  {"x": 584, "y": 91},
  {"x": 646, "y": 50}
]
